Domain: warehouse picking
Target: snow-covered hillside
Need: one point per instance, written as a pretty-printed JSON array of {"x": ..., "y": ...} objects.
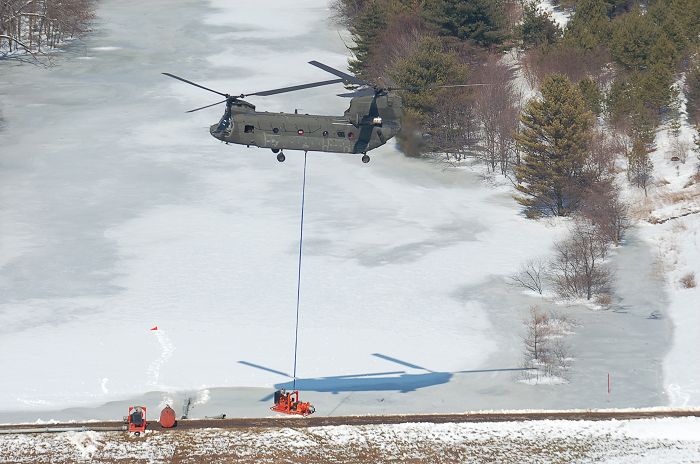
[{"x": 670, "y": 222}]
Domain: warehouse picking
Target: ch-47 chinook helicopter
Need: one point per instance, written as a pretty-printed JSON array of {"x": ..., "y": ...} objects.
[{"x": 373, "y": 118}]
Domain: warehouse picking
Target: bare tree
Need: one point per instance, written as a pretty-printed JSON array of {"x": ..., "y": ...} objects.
[
  {"x": 32, "y": 25},
  {"x": 603, "y": 208},
  {"x": 531, "y": 275},
  {"x": 536, "y": 335},
  {"x": 639, "y": 165},
  {"x": 452, "y": 126},
  {"x": 604, "y": 150},
  {"x": 577, "y": 268},
  {"x": 545, "y": 352},
  {"x": 574, "y": 63},
  {"x": 497, "y": 111}
]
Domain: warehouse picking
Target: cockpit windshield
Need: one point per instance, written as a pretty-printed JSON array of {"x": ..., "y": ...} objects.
[{"x": 225, "y": 123}]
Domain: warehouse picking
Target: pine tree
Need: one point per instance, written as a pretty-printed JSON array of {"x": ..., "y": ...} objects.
[
  {"x": 430, "y": 65},
  {"x": 634, "y": 36},
  {"x": 589, "y": 27},
  {"x": 639, "y": 165},
  {"x": 365, "y": 30},
  {"x": 554, "y": 142},
  {"x": 591, "y": 94},
  {"x": 481, "y": 21},
  {"x": 538, "y": 27}
]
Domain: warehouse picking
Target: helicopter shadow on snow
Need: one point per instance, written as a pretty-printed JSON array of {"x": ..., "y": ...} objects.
[{"x": 399, "y": 381}]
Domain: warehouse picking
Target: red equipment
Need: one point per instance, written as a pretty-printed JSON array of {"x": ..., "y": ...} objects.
[
  {"x": 288, "y": 403},
  {"x": 167, "y": 417},
  {"x": 137, "y": 419}
]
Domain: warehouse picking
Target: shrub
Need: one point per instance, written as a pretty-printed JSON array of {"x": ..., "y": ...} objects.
[{"x": 688, "y": 280}]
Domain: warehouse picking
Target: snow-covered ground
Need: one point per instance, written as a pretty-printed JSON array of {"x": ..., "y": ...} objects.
[
  {"x": 560, "y": 17},
  {"x": 119, "y": 213},
  {"x": 670, "y": 223},
  {"x": 613, "y": 442}
]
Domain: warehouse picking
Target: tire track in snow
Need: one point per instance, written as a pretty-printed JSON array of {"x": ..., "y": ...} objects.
[{"x": 166, "y": 352}]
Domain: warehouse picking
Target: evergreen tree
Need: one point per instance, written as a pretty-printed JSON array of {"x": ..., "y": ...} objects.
[
  {"x": 365, "y": 29},
  {"x": 693, "y": 93},
  {"x": 589, "y": 27},
  {"x": 430, "y": 65},
  {"x": 591, "y": 94},
  {"x": 537, "y": 27},
  {"x": 481, "y": 21},
  {"x": 638, "y": 42},
  {"x": 554, "y": 142},
  {"x": 639, "y": 165}
]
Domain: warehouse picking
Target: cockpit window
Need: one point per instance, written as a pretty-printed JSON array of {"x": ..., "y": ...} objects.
[{"x": 225, "y": 123}]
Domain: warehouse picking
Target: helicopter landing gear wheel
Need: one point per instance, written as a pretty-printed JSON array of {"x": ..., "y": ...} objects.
[
  {"x": 365, "y": 158},
  {"x": 275, "y": 150},
  {"x": 280, "y": 157}
]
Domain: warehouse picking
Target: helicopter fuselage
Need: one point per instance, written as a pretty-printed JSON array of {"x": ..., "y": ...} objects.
[{"x": 369, "y": 123}]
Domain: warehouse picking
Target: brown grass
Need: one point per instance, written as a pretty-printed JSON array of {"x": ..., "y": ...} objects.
[
  {"x": 604, "y": 299},
  {"x": 688, "y": 280}
]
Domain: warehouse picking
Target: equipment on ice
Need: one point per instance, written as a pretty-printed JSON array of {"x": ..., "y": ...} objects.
[
  {"x": 288, "y": 403},
  {"x": 167, "y": 417},
  {"x": 137, "y": 419}
]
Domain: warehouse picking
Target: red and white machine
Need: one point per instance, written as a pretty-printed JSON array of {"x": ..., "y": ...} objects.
[
  {"x": 137, "y": 420},
  {"x": 288, "y": 403}
]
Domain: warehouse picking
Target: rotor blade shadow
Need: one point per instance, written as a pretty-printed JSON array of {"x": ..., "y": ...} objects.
[
  {"x": 398, "y": 361},
  {"x": 506, "y": 369},
  {"x": 263, "y": 368}
]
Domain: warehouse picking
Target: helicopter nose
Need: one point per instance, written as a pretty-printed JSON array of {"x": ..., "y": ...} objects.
[{"x": 215, "y": 132}]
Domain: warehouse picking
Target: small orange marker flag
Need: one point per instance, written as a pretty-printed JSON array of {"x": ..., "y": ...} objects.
[{"x": 155, "y": 328}]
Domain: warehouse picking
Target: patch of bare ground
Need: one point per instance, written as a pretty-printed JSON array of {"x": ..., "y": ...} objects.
[{"x": 546, "y": 441}]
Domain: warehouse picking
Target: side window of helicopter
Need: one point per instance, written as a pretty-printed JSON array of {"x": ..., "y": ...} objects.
[
  {"x": 275, "y": 130},
  {"x": 341, "y": 134},
  {"x": 249, "y": 129},
  {"x": 325, "y": 133}
]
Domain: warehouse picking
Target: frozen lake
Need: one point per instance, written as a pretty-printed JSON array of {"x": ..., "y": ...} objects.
[{"x": 119, "y": 212}]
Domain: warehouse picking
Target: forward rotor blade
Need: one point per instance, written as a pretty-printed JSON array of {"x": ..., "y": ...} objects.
[
  {"x": 294, "y": 88},
  {"x": 195, "y": 84},
  {"x": 213, "y": 104},
  {"x": 346, "y": 77},
  {"x": 358, "y": 93}
]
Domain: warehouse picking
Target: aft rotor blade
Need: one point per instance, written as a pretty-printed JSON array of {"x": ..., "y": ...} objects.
[
  {"x": 345, "y": 76},
  {"x": 294, "y": 88},
  {"x": 213, "y": 104},
  {"x": 195, "y": 84}
]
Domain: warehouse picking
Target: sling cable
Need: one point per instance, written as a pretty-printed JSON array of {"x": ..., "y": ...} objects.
[{"x": 288, "y": 402}]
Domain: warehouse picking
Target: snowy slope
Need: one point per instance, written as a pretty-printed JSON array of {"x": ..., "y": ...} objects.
[{"x": 671, "y": 223}]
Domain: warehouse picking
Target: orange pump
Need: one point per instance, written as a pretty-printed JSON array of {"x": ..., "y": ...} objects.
[
  {"x": 288, "y": 403},
  {"x": 137, "y": 419}
]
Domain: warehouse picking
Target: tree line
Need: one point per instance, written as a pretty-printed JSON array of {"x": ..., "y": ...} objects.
[
  {"x": 606, "y": 83},
  {"x": 33, "y": 26}
]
